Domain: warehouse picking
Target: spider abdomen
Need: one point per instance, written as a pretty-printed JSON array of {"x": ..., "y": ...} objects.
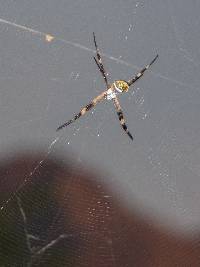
[{"x": 121, "y": 86}]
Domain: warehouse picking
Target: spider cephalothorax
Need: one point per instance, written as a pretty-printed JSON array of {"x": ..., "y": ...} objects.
[{"x": 119, "y": 86}]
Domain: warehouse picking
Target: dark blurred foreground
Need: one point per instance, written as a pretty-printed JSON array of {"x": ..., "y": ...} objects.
[{"x": 63, "y": 216}]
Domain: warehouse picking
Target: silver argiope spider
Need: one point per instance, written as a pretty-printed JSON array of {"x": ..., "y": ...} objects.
[{"x": 117, "y": 87}]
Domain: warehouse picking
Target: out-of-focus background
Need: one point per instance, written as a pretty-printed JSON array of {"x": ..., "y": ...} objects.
[{"x": 47, "y": 73}]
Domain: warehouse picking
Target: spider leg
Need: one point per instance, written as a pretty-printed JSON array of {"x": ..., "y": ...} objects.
[
  {"x": 140, "y": 73},
  {"x": 84, "y": 110},
  {"x": 121, "y": 117},
  {"x": 99, "y": 63}
]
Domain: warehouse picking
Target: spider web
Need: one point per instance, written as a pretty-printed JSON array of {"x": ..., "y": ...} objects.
[
  {"x": 166, "y": 158},
  {"x": 50, "y": 38}
]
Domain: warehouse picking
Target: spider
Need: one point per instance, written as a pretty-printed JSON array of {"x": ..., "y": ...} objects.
[{"x": 114, "y": 89}]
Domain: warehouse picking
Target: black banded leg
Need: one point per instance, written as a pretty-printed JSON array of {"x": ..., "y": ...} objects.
[
  {"x": 121, "y": 117},
  {"x": 84, "y": 110},
  {"x": 99, "y": 62},
  {"x": 140, "y": 73},
  {"x": 123, "y": 124},
  {"x": 77, "y": 116},
  {"x": 102, "y": 72}
]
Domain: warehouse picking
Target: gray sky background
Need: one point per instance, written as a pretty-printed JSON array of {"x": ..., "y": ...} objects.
[{"x": 43, "y": 84}]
